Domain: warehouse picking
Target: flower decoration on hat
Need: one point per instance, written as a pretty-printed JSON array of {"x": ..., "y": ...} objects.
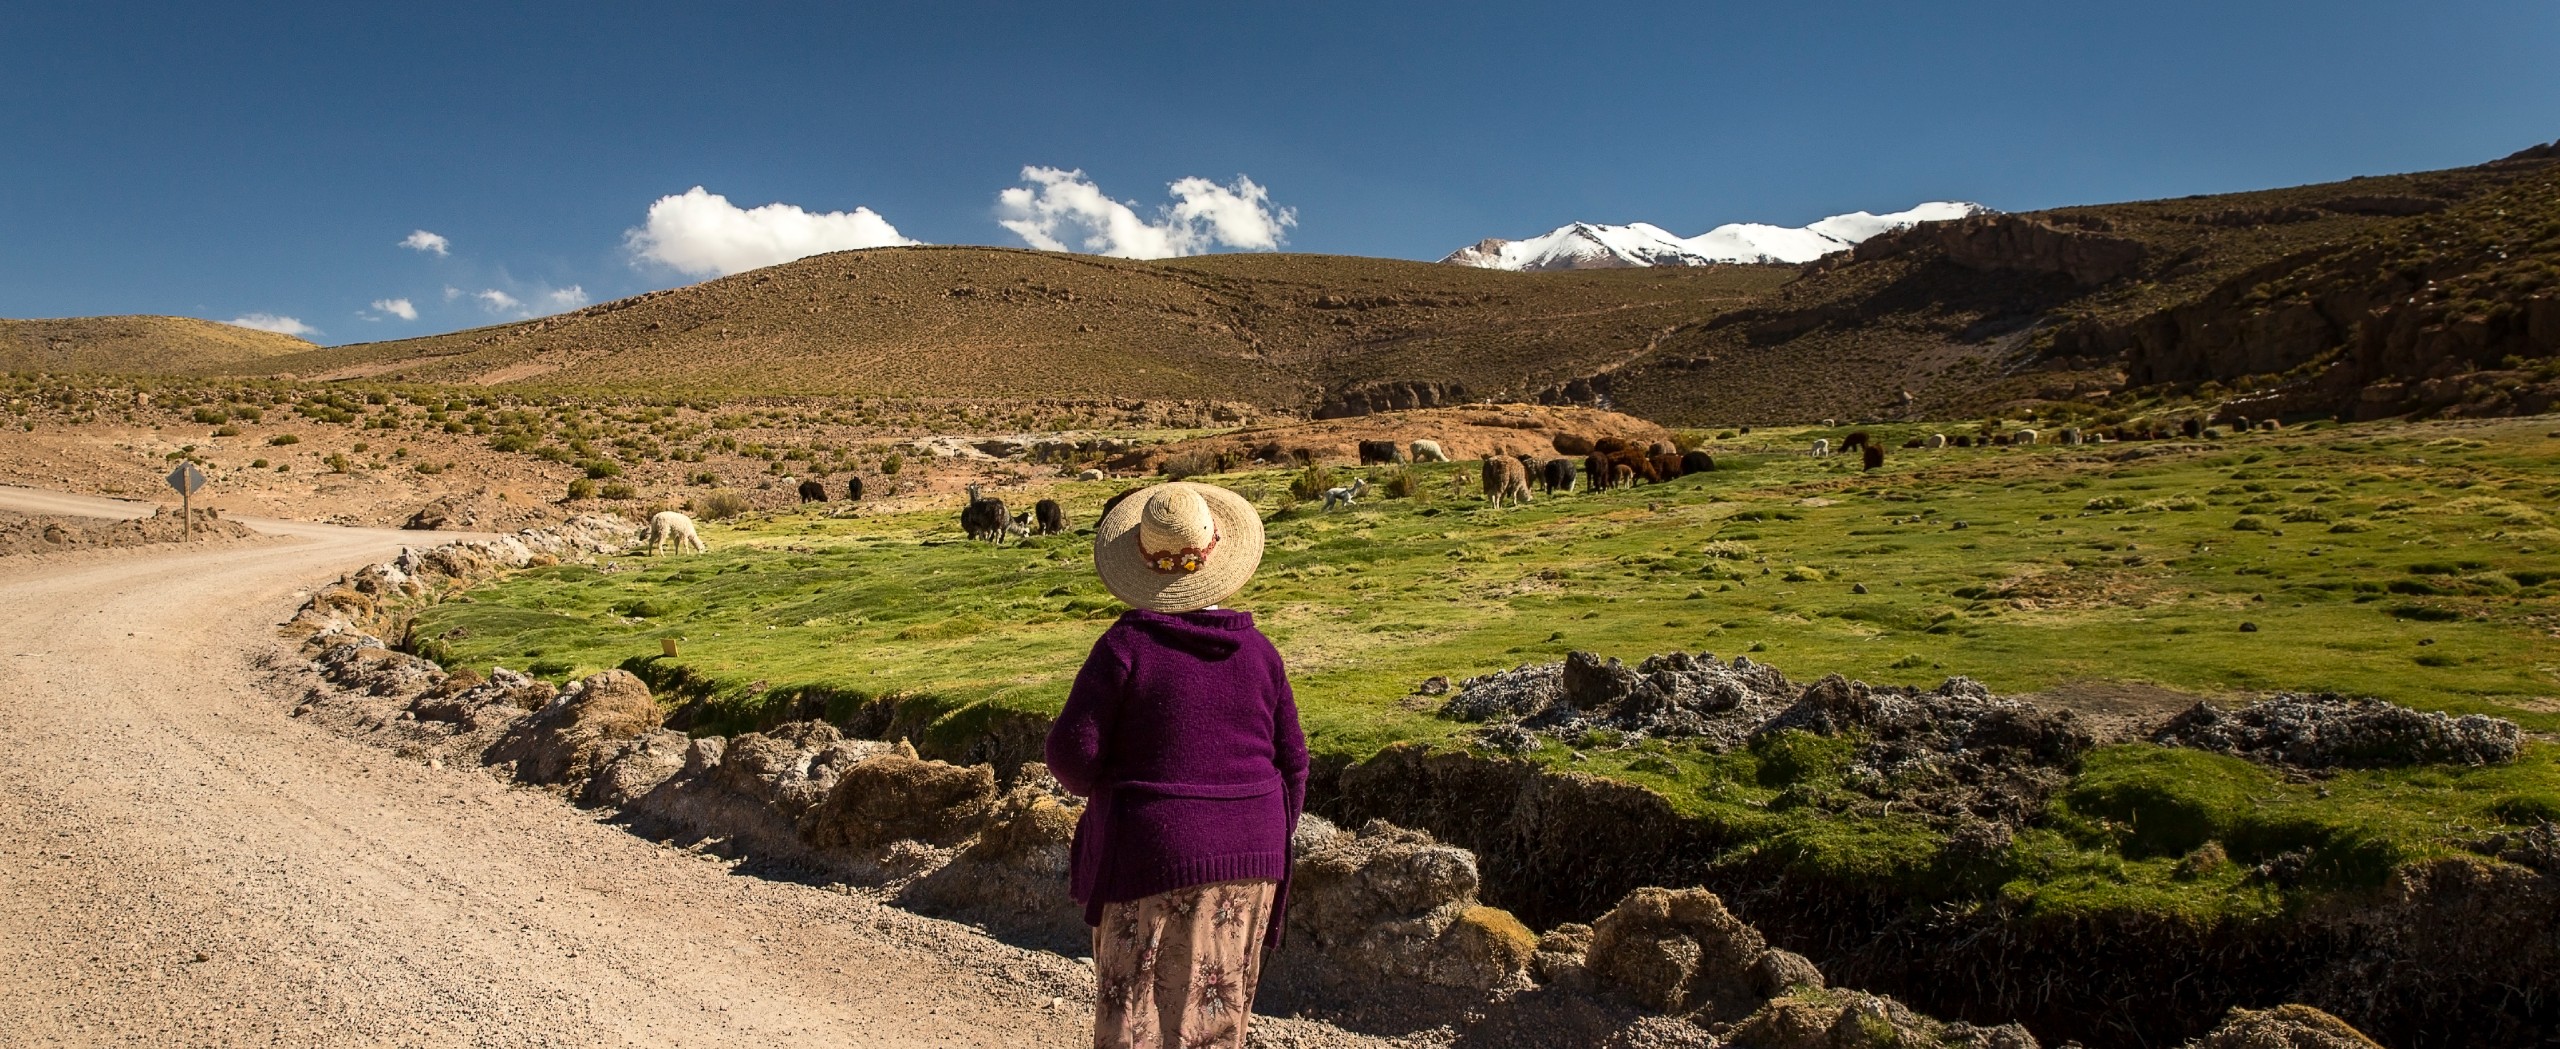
[{"x": 1185, "y": 560}]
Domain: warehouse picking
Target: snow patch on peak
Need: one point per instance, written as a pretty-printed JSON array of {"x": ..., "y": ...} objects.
[{"x": 1585, "y": 245}]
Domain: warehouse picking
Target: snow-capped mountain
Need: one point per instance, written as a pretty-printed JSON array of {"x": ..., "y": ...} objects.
[{"x": 1586, "y": 246}]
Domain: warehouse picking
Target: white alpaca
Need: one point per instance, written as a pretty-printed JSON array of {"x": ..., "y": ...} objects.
[
  {"x": 1090, "y": 474},
  {"x": 2023, "y": 437},
  {"x": 668, "y": 526},
  {"x": 1937, "y": 440},
  {"x": 1821, "y": 446},
  {"x": 1347, "y": 494},
  {"x": 1019, "y": 525},
  {"x": 1429, "y": 452}
]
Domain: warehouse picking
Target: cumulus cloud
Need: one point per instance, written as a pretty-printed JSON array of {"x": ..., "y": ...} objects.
[
  {"x": 568, "y": 298},
  {"x": 1062, "y": 210},
  {"x": 431, "y": 243},
  {"x": 451, "y": 293},
  {"x": 274, "y": 323},
  {"x": 499, "y": 301},
  {"x": 701, "y": 234},
  {"x": 401, "y": 308}
]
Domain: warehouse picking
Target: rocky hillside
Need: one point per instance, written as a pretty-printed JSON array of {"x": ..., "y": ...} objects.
[
  {"x": 138, "y": 345},
  {"x": 2436, "y": 292},
  {"x": 1310, "y": 333}
]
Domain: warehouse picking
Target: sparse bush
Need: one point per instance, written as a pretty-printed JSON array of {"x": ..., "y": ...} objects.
[
  {"x": 618, "y": 490},
  {"x": 1401, "y": 482},
  {"x": 891, "y": 463},
  {"x": 257, "y": 464},
  {"x": 338, "y": 462},
  {"x": 582, "y": 489},
  {"x": 226, "y": 430},
  {"x": 704, "y": 477},
  {"x": 1310, "y": 484},
  {"x": 212, "y": 416},
  {"x": 599, "y": 469},
  {"x": 282, "y": 439},
  {"x": 429, "y": 469},
  {"x": 1188, "y": 465},
  {"x": 720, "y": 506}
]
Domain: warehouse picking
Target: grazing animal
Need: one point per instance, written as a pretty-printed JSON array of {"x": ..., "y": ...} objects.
[
  {"x": 1856, "y": 439},
  {"x": 1662, "y": 448},
  {"x": 1964, "y": 441},
  {"x": 1557, "y": 475},
  {"x": 1697, "y": 463},
  {"x": 1667, "y": 465},
  {"x": 812, "y": 492},
  {"x": 1429, "y": 452},
  {"x": 1572, "y": 444},
  {"x": 668, "y": 526},
  {"x": 2268, "y": 425},
  {"x": 1089, "y": 474},
  {"x": 2025, "y": 437},
  {"x": 1380, "y": 453},
  {"x": 1829, "y": 423},
  {"x": 2192, "y": 427},
  {"x": 853, "y": 489},
  {"x": 1107, "y": 504},
  {"x": 1050, "y": 518},
  {"x": 984, "y": 518},
  {"x": 1505, "y": 478},
  {"x": 2068, "y": 435},
  {"x": 1018, "y": 525},
  {"x": 1999, "y": 439},
  {"x": 1345, "y": 495},
  {"x": 1621, "y": 475},
  {"x": 1915, "y": 443},
  {"x": 1871, "y": 456},
  {"x": 1821, "y": 446},
  {"x": 1937, "y": 440},
  {"x": 1595, "y": 473}
]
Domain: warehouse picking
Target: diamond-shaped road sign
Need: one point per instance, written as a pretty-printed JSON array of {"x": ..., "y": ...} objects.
[{"x": 186, "y": 479}]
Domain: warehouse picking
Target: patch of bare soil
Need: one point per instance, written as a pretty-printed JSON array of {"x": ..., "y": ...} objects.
[{"x": 46, "y": 533}]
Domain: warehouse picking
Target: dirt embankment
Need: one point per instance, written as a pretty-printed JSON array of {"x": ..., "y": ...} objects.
[{"x": 49, "y": 533}]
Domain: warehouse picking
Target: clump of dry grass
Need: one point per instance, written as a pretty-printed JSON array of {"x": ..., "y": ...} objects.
[{"x": 720, "y": 505}]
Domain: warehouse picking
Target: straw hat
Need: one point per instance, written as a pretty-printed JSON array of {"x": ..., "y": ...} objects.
[{"x": 1178, "y": 546}]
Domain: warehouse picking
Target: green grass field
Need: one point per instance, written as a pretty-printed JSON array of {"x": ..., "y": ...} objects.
[{"x": 2416, "y": 563}]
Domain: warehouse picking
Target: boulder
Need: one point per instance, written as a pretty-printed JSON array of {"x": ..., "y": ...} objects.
[
  {"x": 895, "y": 797},
  {"x": 1394, "y": 904},
  {"x": 2283, "y": 1027},
  {"x": 632, "y": 769},
  {"x": 793, "y": 766},
  {"x": 2331, "y": 731},
  {"x": 362, "y": 664},
  {"x": 1856, "y": 1020},
  {"x": 562, "y": 742},
  {"x": 1678, "y": 951},
  {"x": 1011, "y": 877},
  {"x": 470, "y": 701}
]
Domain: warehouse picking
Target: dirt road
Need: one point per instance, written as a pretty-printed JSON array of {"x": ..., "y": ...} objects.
[{"x": 183, "y": 864}]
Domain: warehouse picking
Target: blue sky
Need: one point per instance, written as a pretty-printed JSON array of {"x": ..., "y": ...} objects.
[{"x": 235, "y": 160}]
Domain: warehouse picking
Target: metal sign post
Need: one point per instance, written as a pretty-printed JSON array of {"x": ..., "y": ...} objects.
[{"x": 186, "y": 479}]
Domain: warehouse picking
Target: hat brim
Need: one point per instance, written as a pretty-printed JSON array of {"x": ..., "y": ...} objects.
[{"x": 1125, "y": 572}]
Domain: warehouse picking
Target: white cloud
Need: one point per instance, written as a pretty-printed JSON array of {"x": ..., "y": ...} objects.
[
  {"x": 433, "y": 243},
  {"x": 499, "y": 301},
  {"x": 568, "y": 298},
  {"x": 701, "y": 234},
  {"x": 451, "y": 293},
  {"x": 272, "y": 322},
  {"x": 401, "y": 308},
  {"x": 1061, "y": 205}
]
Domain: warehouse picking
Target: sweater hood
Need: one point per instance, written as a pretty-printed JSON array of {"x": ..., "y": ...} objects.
[{"x": 1206, "y": 633}]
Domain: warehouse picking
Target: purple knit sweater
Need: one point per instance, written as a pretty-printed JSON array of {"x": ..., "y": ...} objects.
[{"x": 1182, "y": 732}]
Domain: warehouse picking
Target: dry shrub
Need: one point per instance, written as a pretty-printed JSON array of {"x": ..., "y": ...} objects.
[
  {"x": 720, "y": 506},
  {"x": 1189, "y": 464},
  {"x": 1311, "y": 483},
  {"x": 615, "y": 705},
  {"x": 1401, "y": 482}
]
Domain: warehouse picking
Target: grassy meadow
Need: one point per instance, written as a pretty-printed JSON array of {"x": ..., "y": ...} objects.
[{"x": 2419, "y": 563}]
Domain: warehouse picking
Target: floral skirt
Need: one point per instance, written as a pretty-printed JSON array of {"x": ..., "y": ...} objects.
[{"x": 1176, "y": 970}]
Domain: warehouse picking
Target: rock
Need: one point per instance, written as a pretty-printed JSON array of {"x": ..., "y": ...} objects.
[
  {"x": 1778, "y": 972},
  {"x": 1561, "y": 961},
  {"x": 634, "y": 768},
  {"x": 793, "y": 766},
  {"x": 1393, "y": 904},
  {"x": 1677, "y": 951},
  {"x": 364, "y": 665},
  {"x": 1857, "y": 1020},
  {"x": 1009, "y": 878},
  {"x": 2331, "y": 731},
  {"x": 562, "y": 742},
  {"x": 468, "y": 700},
  {"x": 894, "y": 797},
  {"x": 2283, "y": 1027},
  {"x": 455, "y": 511}
]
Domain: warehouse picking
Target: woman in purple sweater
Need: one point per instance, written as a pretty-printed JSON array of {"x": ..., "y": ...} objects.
[{"x": 1182, "y": 734}]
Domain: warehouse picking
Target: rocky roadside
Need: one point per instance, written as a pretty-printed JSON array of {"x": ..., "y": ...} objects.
[{"x": 1386, "y": 933}]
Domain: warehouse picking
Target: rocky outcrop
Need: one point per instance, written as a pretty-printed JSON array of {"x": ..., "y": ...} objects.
[
  {"x": 2013, "y": 243},
  {"x": 1856, "y": 1020},
  {"x": 1387, "y": 903},
  {"x": 564, "y": 741},
  {"x": 2327, "y": 730},
  {"x": 901, "y": 798},
  {"x": 1679, "y": 951},
  {"x": 2283, "y": 1027}
]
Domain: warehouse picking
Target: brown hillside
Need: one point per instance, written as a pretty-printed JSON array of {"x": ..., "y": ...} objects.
[
  {"x": 1283, "y": 331},
  {"x": 136, "y": 345},
  {"x": 2437, "y": 291}
]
